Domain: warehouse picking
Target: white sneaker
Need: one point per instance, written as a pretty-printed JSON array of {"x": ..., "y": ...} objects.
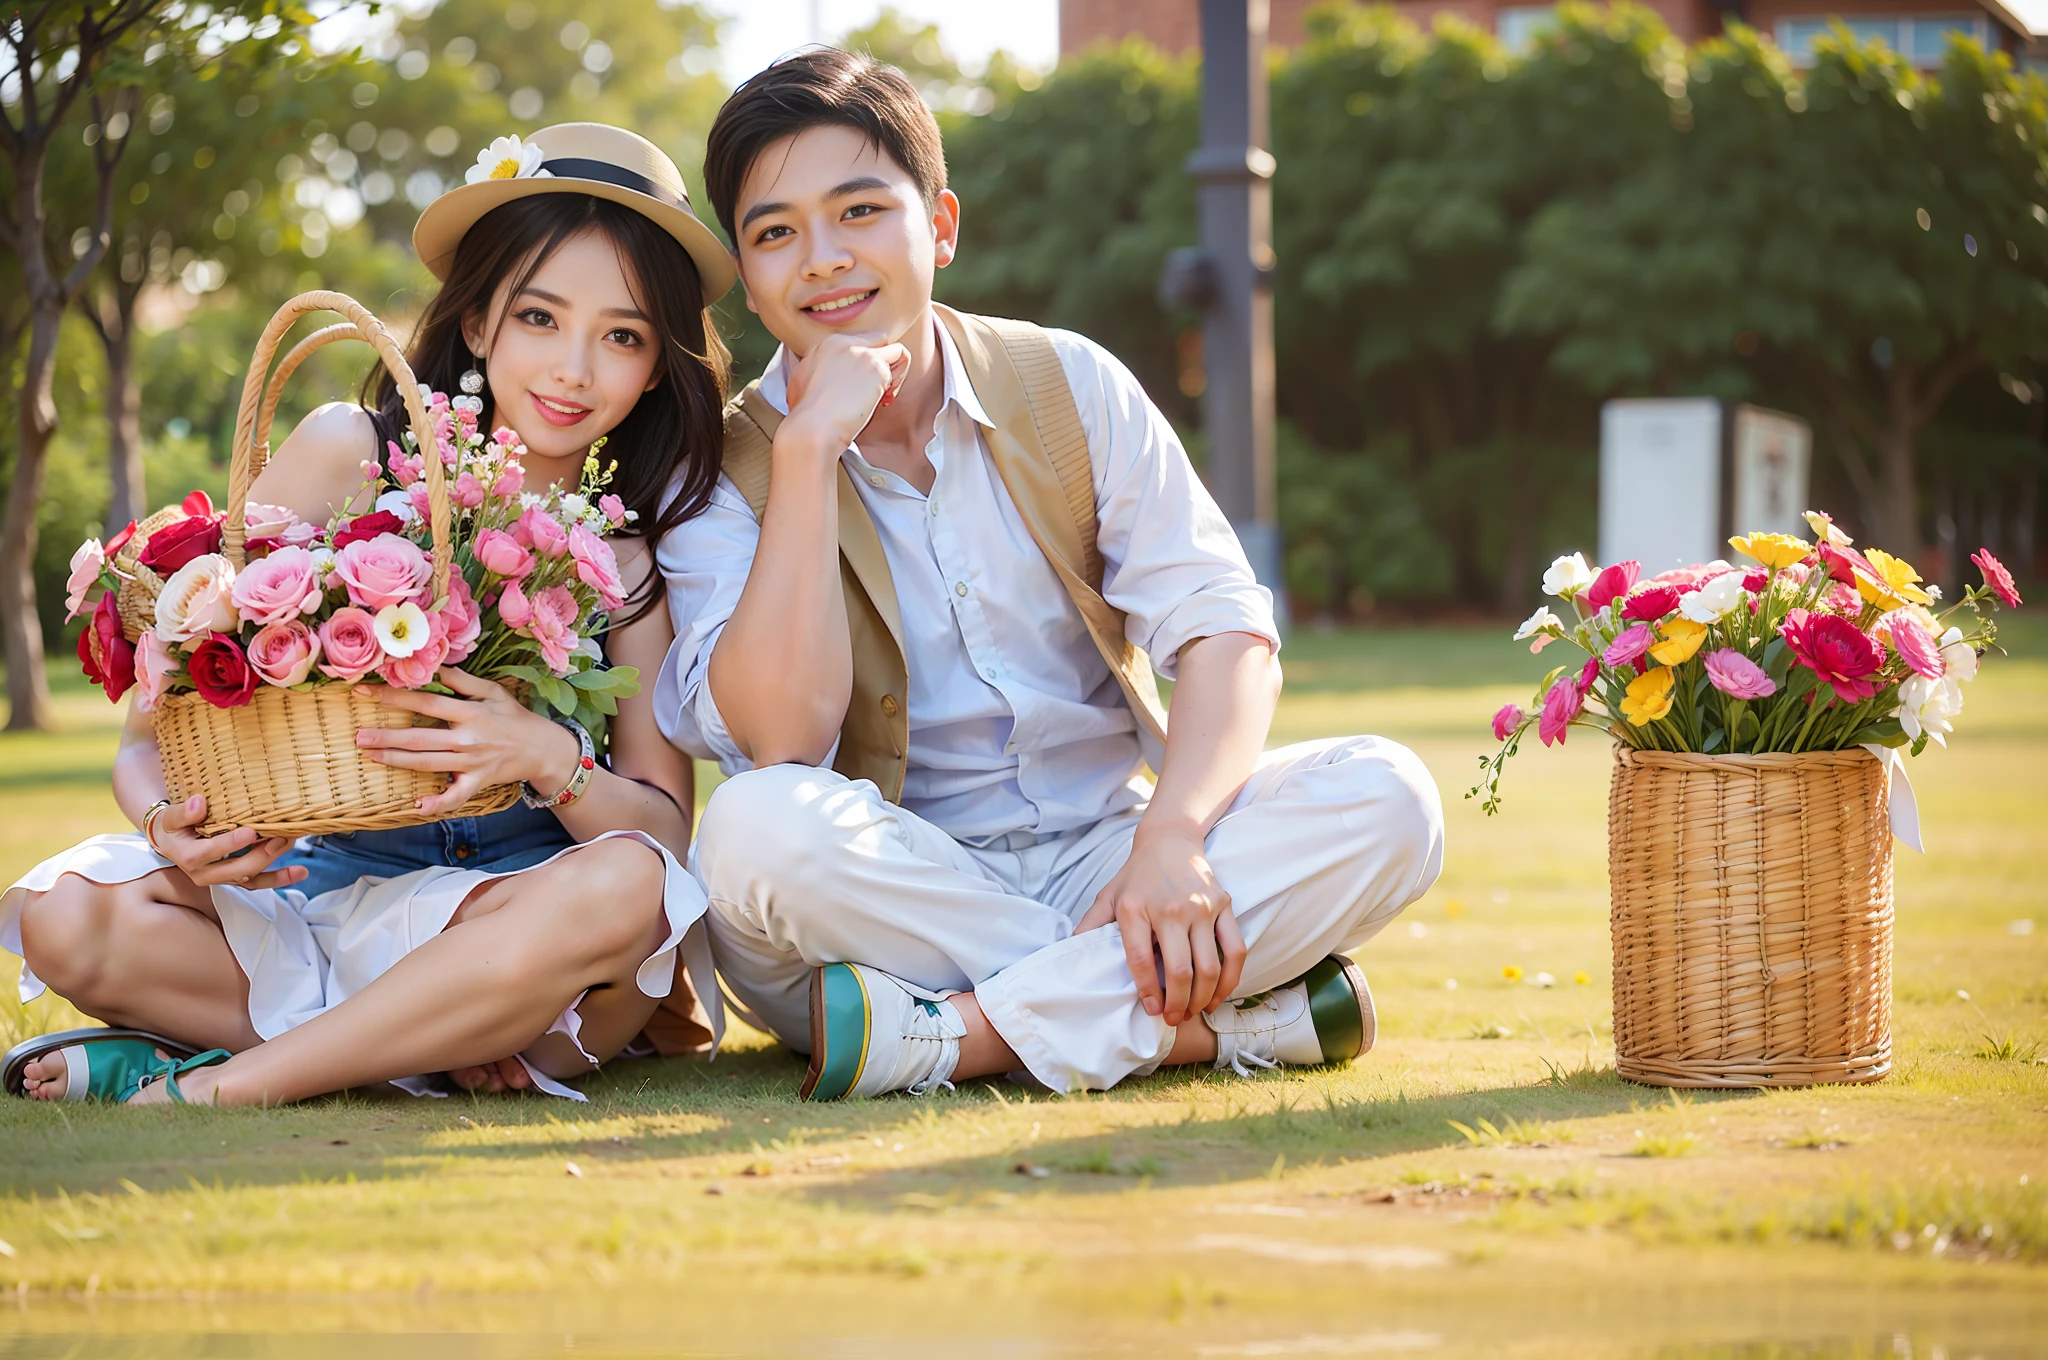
[
  {"x": 1324, "y": 1016},
  {"x": 871, "y": 1034}
]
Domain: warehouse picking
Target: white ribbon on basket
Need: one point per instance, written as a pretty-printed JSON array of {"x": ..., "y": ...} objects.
[{"x": 1905, "y": 808}]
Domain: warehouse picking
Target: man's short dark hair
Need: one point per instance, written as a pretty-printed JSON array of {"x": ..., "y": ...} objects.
[{"x": 821, "y": 87}]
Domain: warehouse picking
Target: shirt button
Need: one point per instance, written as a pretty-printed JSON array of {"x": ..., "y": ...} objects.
[
  {"x": 876, "y": 479},
  {"x": 988, "y": 673},
  {"x": 960, "y": 589},
  {"x": 889, "y": 705}
]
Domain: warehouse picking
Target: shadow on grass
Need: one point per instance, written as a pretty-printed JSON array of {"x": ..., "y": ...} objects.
[{"x": 740, "y": 1111}]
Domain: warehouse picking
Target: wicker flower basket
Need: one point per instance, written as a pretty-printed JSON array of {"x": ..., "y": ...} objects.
[
  {"x": 1752, "y": 918},
  {"x": 286, "y": 763}
]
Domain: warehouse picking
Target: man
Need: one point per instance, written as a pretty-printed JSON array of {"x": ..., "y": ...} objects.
[{"x": 942, "y": 552}]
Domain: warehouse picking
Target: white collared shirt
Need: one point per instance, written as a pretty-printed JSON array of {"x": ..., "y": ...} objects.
[{"x": 1016, "y": 723}]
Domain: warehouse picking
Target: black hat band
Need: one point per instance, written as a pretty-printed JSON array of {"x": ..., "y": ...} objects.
[{"x": 604, "y": 172}]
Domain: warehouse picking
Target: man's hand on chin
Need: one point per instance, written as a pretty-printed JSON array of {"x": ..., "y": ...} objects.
[{"x": 1180, "y": 936}]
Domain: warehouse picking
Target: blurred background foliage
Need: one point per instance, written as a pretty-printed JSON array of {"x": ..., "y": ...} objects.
[{"x": 1475, "y": 248}]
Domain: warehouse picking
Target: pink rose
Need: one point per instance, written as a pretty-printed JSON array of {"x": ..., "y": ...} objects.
[
  {"x": 501, "y": 554},
  {"x": 467, "y": 492},
  {"x": 1507, "y": 720},
  {"x": 283, "y": 654},
  {"x": 383, "y": 570},
  {"x": 155, "y": 664},
  {"x": 597, "y": 566},
  {"x": 553, "y": 626},
  {"x": 1736, "y": 676},
  {"x": 275, "y": 524},
  {"x": 514, "y": 608},
  {"x": 197, "y": 600},
  {"x": 1631, "y": 644},
  {"x": 86, "y": 564},
  {"x": 1650, "y": 603},
  {"x": 1560, "y": 706},
  {"x": 412, "y": 672},
  {"x": 465, "y": 621},
  {"x": 510, "y": 480},
  {"x": 614, "y": 509},
  {"x": 1613, "y": 583},
  {"x": 540, "y": 532},
  {"x": 1915, "y": 645},
  {"x": 349, "y": 642},
  {"x": 277, "y": 588}
]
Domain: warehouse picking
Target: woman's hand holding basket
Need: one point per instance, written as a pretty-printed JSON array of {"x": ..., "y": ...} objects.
[
  {"x": 490, "y": 739},
  {"x": 210, "y": 860}
]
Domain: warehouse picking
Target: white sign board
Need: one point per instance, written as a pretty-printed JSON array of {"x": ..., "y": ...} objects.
[
  {"x": 1772, "y": 453},
  {"x": 1660, "y": 483}
]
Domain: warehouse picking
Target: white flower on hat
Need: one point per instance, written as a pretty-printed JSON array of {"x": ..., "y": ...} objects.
[{"x": 507, "y": 158}]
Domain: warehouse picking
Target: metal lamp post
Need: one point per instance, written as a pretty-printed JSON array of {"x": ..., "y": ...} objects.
[{"x": 1229, "y": 278}]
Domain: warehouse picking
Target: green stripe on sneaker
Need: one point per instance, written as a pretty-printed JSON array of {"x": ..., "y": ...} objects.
[
  {"x": 1332, "y": 1003},
  {"x": 845, "y": 1032}
]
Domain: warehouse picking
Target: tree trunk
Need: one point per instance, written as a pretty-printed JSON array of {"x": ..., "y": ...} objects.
[
  {"x": 28, "y": 689},
  {"x": 113, "y": 316},
  {"x": 1898, "y": 452}
]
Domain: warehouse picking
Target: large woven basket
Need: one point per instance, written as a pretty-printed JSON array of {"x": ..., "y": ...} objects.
[
  {"x": 1752, "y": 918},
  {"x": 287, "y": 763}
]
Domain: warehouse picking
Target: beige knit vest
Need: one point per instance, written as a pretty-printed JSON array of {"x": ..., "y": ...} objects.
[{"x": 1041, "y": 452}]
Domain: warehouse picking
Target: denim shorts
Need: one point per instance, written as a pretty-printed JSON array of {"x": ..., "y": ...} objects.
[{"x": 517, "y": 838}]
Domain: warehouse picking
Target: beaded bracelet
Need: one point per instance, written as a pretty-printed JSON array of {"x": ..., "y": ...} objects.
[{"x": 586, "y": 766}]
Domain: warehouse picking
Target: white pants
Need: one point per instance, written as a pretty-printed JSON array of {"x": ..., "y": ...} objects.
[{"x": 1325, "y": 844}]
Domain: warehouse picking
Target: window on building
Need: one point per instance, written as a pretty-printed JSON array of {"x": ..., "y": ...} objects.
[
  {"x": 1920, "y": 38},
  {"x": 1517, "y": 25}
]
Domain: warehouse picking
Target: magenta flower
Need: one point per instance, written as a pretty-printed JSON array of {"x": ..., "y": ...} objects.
[
  {"x": 1613, "y": 583},
  {"x": 1589, "y": 672},
  {"x": 1629, "y": 646},
  {"x": 1560, "y": 706},
  {"x": 1736, "y": 676},
  {"x": 1997, "y": 577},
  {"x": 1836, "y": 650},
  {"x": 1510, "y": 717},
  {"x": 1915, "y": 646},
  {"x": 1651, "y": 603}
]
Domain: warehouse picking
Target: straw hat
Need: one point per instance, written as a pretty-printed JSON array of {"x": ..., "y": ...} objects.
[{"x": 575, "y": 158}]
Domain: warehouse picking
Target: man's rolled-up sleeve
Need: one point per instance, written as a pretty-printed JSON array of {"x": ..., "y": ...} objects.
[
  {"x": 704, "y": 564},
  {"x": 1171, "y": 561}
]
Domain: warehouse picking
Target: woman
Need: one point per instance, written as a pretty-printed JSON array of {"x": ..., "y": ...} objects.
[{"x": 576, "y": 282}]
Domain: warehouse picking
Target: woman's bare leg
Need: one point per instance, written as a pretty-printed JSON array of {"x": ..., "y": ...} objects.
[{"x": 520, "y": 951}]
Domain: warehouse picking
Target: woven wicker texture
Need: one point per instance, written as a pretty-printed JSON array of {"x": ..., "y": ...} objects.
[
  {"x": 286, "y": 763},
  {"x": 1752, "y": 918}
]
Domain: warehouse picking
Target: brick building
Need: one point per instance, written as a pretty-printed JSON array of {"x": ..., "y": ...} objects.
[{"x": 1917, "y": 28}]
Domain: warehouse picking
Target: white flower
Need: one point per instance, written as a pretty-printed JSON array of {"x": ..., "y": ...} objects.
[
  {"x": 1542, "y": 621},
  {"x": 507, "y": 158},
  {"x": 1929, "y": 706},
  {"x": 528, "y": 500},
  {"x": 1715, "y": 598},
  {"x": 323, "y": 562},
  {"x": 1567, "y": 576},
  {"x": 402, "y": 629},
  {"x": 1959, "y": 656},
  {"x": 574, "y": 505},
  {"x": 1543, "y": 980},
  {"x": 400, "y": 504},
  {"x": 197, "y": 600},
  {"x": 1933, "y": 590}
]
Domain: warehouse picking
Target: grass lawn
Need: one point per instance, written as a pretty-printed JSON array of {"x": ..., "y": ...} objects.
[{"x": 701, "y": 1209}]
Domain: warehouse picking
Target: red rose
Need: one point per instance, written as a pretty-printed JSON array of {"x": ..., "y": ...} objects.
[
  {"x": 220, "y": 672},
  {"x": 179, "y": 542},
  {"x": 1650, "y": 604},
  {"x": 199, "y": 505},
  {"x": 120, "y": 540},
  {"x": 367, "y": 526},
  {"x": 107, "y": 656}
]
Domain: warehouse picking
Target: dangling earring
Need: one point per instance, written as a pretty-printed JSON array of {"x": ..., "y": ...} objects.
[{"x": 471, "y": 384}]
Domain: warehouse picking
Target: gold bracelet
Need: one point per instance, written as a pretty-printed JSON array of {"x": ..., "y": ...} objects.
[{"x": 149, "y": 823}]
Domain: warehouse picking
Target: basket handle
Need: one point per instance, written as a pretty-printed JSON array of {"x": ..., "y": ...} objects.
[{"x": 259, "y": 403}]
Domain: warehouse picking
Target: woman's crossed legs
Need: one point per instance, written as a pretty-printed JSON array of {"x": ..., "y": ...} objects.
[{"x": 150, "y": 954}]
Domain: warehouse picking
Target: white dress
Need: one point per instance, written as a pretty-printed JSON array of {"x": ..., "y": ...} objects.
[{"x": 304, "y": 956}]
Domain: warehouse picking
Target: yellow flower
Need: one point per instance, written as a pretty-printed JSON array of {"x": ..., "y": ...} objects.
[
  {"x": 1776, "y": 551},
  {"x": 1682, "y": 637},
  {"x": 1896, "y": 584},
  {"x": 1649, "y": 696},
  {"x": 1581, "y": 978},
  {"x": 1824, "y": 529},
  {"x": 1511, "y": 973}
]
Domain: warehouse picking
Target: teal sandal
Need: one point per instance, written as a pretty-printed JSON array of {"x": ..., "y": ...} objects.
[{"x": 113, "y": 1065}]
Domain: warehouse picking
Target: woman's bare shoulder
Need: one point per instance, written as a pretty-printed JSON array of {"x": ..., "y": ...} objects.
[{"x": 320, "y": 464}]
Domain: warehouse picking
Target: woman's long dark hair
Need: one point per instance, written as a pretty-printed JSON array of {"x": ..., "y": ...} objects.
[{"x": 675, "y": 433}]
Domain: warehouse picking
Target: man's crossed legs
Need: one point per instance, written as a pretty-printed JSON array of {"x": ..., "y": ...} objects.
[{"x": 1324, "y": 845}]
